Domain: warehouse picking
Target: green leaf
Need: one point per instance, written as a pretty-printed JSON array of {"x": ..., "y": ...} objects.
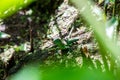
[
  {"x": 27, "y": 73},
  {"x": 4, "y": 35},
  {"x": 70, "y": 41},
  {"x": 111, "y": 27},
  {"x": 8, "y": 7},
  {"x": 59, "y": 43},
  {"x": 23, "y": 47},
  {"x": 112, "y": 0}
]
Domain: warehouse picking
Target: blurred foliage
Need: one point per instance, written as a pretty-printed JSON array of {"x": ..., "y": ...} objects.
[
  {"x": 61, "y": 73},
  {"x": 107, "y": 46},
  {"x": 65, "y": 66},
  {"x": 28, "y": 73},
  {"x": 9, "y": 7},
  {"x": 99, "y": 29},
  {"x": 4, "y": 35}
]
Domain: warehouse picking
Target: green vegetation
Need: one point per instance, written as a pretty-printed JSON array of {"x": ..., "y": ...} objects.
[
  {"x": 59, "y": 40},
  {"x": 9, "y": 7}
]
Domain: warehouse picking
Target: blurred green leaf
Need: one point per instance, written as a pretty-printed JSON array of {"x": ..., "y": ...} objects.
[
  {"x": 70, "y": 41},
  {"x": 112, "y": 0},
  {"x": 98, "y": 27},
  {"x": 4, "y": 35},
  {"x": 59, "y": 43},
  {"x": 23, "y": 47},
  {"x": 27, "y": 73},
  {"x": 60, "y": 73},
  {"x": 8, "y": 7},
  {"x": 111, "y": 28}
]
